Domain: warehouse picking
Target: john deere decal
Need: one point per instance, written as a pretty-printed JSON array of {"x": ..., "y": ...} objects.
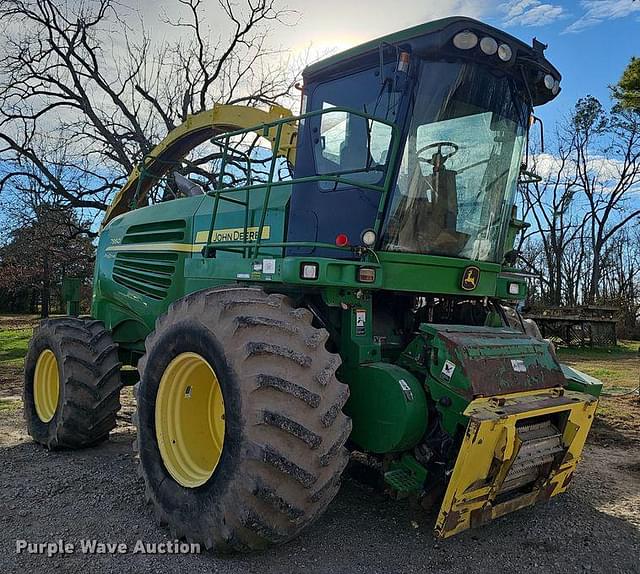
[{"x": 470, "y": 278}]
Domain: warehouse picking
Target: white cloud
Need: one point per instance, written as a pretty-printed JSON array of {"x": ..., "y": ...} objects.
[
  {"x": 546, "y": 165},
  {"x": 597, "y": 11},
  {"x": 328, "y": 26},
  {"x": 605, "y": 173},
  {"x": 602, "y": 169},
  {"x": 530, "y": 13},
  {"x": 346, "y": 24}
]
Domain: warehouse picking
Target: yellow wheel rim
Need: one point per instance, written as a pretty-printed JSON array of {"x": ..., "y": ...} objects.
[
  {"x": 190, "y": 419},
  {"x": 46, "y": 385}
]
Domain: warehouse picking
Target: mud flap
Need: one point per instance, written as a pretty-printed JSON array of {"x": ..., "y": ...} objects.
[{"x": 518, "y": 449}]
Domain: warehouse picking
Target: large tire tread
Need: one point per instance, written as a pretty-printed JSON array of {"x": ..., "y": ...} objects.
[
  {"x": 294, "y": 434},
  {"x": 89, "y": 371}
]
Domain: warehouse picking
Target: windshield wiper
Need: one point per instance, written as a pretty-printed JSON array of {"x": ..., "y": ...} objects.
[{"x": 466, "y": 167}]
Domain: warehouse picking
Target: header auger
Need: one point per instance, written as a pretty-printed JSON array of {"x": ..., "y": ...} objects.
[{"x": 291, "y": 288}]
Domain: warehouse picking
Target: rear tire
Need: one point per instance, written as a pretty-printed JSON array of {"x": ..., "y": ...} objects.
[
  {"x": 71, "y": 383},
  {"x": 284, "y": 431}
]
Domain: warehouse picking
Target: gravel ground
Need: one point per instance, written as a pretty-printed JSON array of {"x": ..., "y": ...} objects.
[{"x": 95, "y": 494}]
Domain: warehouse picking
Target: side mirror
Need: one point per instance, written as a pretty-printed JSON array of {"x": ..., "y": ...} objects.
[{"x": 526, "y": 177}]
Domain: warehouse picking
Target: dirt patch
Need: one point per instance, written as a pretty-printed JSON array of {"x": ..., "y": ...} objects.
[
  {"x": 617, "y": 421},
  {"x": 11, "y": 381},
  {"x": 10, "y": 322},
  {"x": 96, "y": 494}
]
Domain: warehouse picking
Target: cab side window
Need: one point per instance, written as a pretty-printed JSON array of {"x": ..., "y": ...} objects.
[{"x": 344, "y": 142}]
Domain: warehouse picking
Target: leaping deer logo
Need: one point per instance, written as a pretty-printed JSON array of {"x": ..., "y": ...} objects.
[{"x": 470, "y": 278}]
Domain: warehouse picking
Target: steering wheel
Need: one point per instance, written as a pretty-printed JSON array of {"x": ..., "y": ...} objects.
[{"x": 438, "y": 158}]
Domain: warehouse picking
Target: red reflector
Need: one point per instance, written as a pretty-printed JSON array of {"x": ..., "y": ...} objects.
[{"x": 342, "y": 240}]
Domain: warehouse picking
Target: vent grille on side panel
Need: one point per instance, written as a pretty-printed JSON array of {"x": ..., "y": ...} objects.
[
  {"x": 155, "y": 232},
  {"x": 147, "y": 273}
]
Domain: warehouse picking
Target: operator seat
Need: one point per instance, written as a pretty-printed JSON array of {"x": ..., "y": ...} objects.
[{"x": 431, "y": 216}]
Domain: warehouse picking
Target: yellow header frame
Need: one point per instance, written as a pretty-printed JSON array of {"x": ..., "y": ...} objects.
[
  {"x": 193, "y": 132},
  {"x": 491, "y": 445}
]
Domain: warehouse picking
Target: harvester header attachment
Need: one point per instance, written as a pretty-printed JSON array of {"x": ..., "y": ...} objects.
[
  {"x": 195, "y": 130},
  {"x": 518, "y": 449}
]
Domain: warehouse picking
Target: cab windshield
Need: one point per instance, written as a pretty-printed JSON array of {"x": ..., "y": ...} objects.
[{"x": 460, "y": 165}]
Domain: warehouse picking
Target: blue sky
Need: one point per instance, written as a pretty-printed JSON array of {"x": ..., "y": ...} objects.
[
  {"x": 590, "y": 41},
  {"x": 590, "y": 47}
]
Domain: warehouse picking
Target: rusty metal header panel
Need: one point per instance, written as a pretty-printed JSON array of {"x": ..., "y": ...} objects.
[{"x": 485, "y": 361}]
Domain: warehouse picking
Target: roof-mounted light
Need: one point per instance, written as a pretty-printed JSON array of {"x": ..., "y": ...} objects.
[
  {"x": 505, "y": 52},
  {"x": 465, "y": 40},
  {"x": 549, "y": 82},
  {"x": 488, "y": 45}
]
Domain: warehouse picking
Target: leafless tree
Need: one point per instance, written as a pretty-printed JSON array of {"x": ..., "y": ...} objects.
[
  {"x": 550, "y": 204},
  {"x": 582, "y": 243},
  {"x": 85, "y": 92},
  {"x": 608, "y": 168}
]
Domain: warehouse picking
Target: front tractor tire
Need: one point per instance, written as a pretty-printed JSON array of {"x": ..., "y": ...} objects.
[
  {"x": 71, "y": 383},
  {"x": 240, "y": 426}
]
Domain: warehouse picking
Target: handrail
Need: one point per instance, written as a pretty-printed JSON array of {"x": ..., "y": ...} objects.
[
  {"x": 240, "y": 246},
  {"x": 196, "y": 129},
  {"x": 252, "y": 248}
]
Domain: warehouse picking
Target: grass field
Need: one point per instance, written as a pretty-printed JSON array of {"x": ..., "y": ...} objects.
[
  {"x": 618, "y": 418},
  {"x": 618, "y": 368},
  {"x": 15, "y": 332},
  {"x": 13, "y": 346}
]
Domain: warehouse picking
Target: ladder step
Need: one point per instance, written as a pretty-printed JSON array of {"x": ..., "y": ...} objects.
[{"x": 403, "y": 480}]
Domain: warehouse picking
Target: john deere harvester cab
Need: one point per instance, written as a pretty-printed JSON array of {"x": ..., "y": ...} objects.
[
  {"x": 462, "y": 108},
  {"x": 293, "y": 288}
]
